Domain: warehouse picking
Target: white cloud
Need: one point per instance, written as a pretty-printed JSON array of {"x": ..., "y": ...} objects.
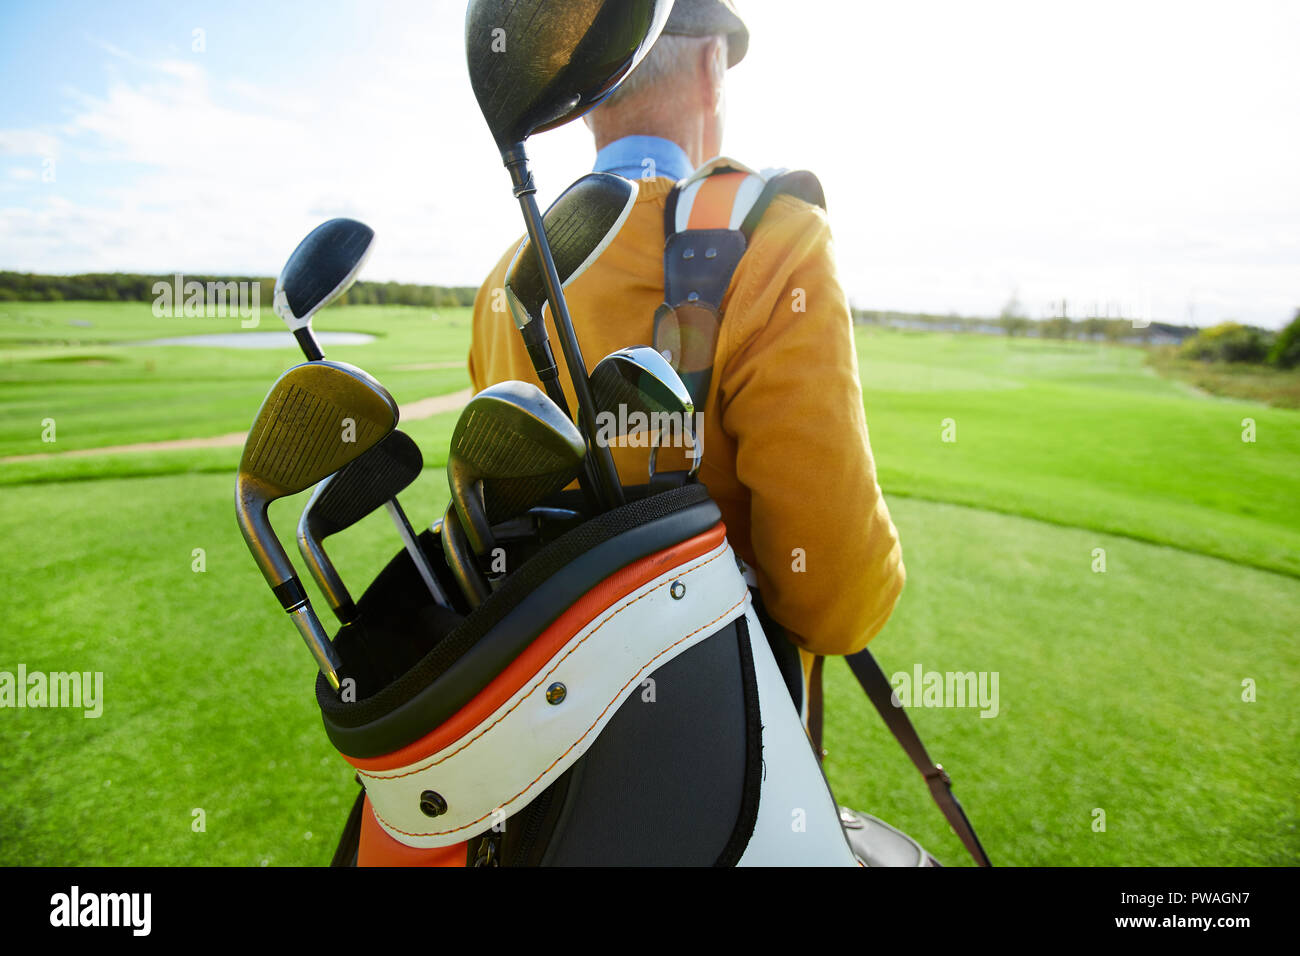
[{"x": 968, "y": 151}]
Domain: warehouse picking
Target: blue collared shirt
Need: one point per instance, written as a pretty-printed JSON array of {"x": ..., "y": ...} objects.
[{"x": 632, "y": 156}]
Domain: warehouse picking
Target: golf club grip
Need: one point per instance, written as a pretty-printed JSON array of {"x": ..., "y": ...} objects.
[
  {"x": 412, "y": 545},
  {"x": 608, "y": 486}
]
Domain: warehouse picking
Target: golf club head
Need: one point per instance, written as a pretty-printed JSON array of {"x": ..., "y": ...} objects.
[
  {"x": 460, "y": 559},
  {"x": 511, "y": 448},
  {"x": 579, "y": 226},
  {"x": 347, "y": 496},
  {"x": 317, "y": 417},
  {"x": 641, "y": 380},
  {"x": 537, "y": 64},
  {"x": 320, "y": 270}
]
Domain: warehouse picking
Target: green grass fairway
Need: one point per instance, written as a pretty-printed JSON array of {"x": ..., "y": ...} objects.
[{"x": 1119, "y": 692}]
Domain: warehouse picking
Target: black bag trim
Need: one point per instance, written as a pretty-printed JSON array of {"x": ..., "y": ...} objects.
[
  {"x": 467, "y": 659},
  {"x": 745, "y": 820}
]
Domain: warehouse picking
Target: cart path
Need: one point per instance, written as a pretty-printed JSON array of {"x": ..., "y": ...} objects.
[{"x": 412, "y": 412}]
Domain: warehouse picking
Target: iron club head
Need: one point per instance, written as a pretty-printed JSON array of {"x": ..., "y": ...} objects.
[
  {"x": 347, "y": 496},
  {"x": 511, "y": 448},
  {"x": 316, "y": 418}
]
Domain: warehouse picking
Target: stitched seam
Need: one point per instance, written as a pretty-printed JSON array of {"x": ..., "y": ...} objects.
[
  {"x": 612, "y": 614},
  {"x": 580, "y": 739}
]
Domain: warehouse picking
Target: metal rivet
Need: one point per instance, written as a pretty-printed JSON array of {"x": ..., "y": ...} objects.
[
  {"x": 556, "y": 693},
  {"x": 688, "y": 253},
  {"x": 693, "y": 297},
  {"x": 710, "y": 253},
  {"x": 678, "y": 590},
  {"x": 432, "y": 804}
]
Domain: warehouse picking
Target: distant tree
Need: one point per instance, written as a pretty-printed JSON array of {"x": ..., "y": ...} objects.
[
  {"x": 1058, "y": 327},
  {"x": 1285, "y": 352},
  {"x": 1227, "y": 342}
]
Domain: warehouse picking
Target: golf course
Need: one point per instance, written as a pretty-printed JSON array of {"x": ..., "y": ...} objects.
[{"x": 1120, "y": 550}]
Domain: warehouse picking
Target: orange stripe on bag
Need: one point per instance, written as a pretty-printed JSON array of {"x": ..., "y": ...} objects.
[
  {"x": 547, "y": 644},
  {"x": 714, "y": 201},
  {"x": 377, "y": 848}
]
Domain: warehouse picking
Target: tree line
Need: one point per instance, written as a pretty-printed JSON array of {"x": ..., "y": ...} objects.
[{"x": 133, "y": 287}]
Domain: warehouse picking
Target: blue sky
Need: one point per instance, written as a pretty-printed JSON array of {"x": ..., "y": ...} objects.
[{"x": 1137, "y": 152}]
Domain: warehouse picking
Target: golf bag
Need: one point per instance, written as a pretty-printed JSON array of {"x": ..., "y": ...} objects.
[{"x": 615, "y": 701}]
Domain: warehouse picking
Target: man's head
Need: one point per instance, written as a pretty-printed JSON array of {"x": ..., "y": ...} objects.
[{"x": 678, "y": 91}]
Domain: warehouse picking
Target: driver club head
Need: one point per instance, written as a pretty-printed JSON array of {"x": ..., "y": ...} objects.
[
  {"x": 537, "y": 64},
  {"x": 317, "y": 418},
  {"x": 511, "y": 448},
  {"x": 320, "y": 270}
]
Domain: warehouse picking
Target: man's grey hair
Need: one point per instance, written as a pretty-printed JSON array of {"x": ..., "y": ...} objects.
[{"x": 671, "y": 54}]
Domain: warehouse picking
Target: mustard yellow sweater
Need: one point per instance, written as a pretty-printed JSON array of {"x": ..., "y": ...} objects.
[{"x": 786, "y": 452}]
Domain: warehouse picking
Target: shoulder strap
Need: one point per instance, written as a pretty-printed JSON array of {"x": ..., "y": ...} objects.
[
  {"x": 877, "y": 687},
  {"x": 709, "y": 218}
]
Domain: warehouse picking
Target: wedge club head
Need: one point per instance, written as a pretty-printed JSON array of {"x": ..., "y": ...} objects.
[
  {"x": 511, "y": 448},
  {"x": 320, "y": 270},
  {"x": 317, "y": 418}
]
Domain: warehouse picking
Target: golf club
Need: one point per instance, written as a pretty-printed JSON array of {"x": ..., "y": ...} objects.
[
  {"x": 320, "y": 270},
  {"x": 558, "y": 61},
  {"x": 511, "y": 448},
  {"x": 640, "y": 380},
  {"x": 347, "y": 496},
  {"x": 579, "y": 225},
  {"x": 316, "y": 418},
  {"x": 460, "y": 559}
]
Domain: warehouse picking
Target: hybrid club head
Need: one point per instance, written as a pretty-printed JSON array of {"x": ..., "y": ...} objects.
[
  {"x": 536, "y": 64},
  {"x": 511, "y": 448},
  {"x": 347, "y": 496},
  {"x": 639, "y": 379},
  {"x": 320, "y": 270},
  {"x": 317, "y": 418}
]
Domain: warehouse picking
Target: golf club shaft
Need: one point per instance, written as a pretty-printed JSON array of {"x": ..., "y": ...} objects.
[
  {"x": 587, "y": 476},
  {"x": 608, "y": 487},
  {"x": 318, "y": 642},
  {"x": 416, "y": 552}
]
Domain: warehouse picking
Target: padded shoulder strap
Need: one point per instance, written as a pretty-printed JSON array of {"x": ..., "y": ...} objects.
[{"x": 709, "y": 218}]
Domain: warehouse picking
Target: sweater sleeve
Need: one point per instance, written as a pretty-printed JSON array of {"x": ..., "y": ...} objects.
[{"x": 829, "y": 560}]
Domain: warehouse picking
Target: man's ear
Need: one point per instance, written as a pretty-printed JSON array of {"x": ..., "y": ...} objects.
[{"x": 714, "y": 54}]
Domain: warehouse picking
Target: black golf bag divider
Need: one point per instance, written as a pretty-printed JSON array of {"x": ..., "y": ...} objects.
[{"x": 615, "y": 701}]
